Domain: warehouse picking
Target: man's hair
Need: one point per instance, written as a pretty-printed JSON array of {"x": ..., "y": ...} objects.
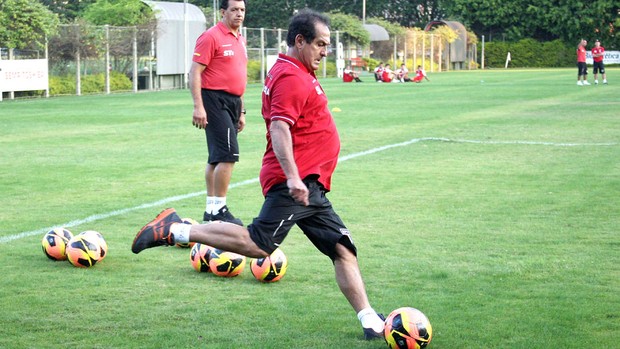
[
  {"x": 224, "y": 4},
  {"x": 304, "y": 23}
]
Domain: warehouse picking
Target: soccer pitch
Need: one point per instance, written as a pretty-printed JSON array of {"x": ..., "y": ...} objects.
[{"x": 486, "y": 199}]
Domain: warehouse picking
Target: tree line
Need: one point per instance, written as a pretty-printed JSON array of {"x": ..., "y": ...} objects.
[{"x": 25, "y": 21}]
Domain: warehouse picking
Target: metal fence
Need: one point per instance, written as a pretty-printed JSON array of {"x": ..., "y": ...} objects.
[{"x": 82, "y": 51}]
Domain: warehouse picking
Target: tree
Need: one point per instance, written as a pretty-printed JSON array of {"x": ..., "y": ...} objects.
[
  {"x": 67, "y": 11},
  {"x": 119, "y": 13},
  {"x": 25, "y": 23}
]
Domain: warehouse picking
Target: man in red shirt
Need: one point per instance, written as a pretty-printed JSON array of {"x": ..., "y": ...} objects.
[
  {"x": 217, "y": 81},
  {"x": 582, "y": 68},
  {"x": 302, "y": 152},
  {"x": 419, "y": 75},
  {"x": 598, "y": 53}
]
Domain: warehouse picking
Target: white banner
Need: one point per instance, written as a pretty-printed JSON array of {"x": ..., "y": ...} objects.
[
  {"x": 23, "y": 75},
  {"x": 611, "y": 57}
]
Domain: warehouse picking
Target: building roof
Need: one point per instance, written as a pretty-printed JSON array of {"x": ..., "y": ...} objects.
[{"x": 377, "y": 32}]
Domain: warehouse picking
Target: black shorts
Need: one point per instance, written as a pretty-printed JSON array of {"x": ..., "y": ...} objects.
[
  {"x": 318, "y": 220},
  {"x": 223, "y": 110},
  {"x": 598, "y": 67},
  {"x": 582, "y": 68}
]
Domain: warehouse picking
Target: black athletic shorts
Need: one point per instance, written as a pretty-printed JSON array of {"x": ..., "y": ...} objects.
[
  {"x": 223, "y": 110},
  {"x": 318, "y": 220},
  {"x": 598, "y": 67},
  {"x": 582, "y": 68}
]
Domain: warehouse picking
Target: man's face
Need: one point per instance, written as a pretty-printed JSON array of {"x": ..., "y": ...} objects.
[
  {"x": 234, "y": 14},
  {"x": 584, "y": 43},
  {"x": 313, "y": 52},
  {"x": 597, "y": 44}
]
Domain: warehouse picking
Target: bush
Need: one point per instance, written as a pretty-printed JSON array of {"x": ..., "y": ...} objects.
[
  {"x": 528, "y": 53},
  {"x": 65, "y": 85}
]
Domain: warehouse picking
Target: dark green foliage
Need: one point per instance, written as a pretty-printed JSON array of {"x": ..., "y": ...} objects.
[{"x": 529, "y": 53}]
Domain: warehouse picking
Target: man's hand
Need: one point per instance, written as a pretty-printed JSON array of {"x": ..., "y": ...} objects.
[
  {"x": 241, "y": 124},
  {"x": 199, "y": 118},
  {"x": 298, "y": 191}
]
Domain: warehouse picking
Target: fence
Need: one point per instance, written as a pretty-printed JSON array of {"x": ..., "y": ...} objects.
[{"x": 97, "y": 56}]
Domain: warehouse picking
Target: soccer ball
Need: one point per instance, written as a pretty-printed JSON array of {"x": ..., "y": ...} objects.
[
  {"x": 83, "y": 251},
  {"x": 199, "y": 256},
  {"x": 187, "y": 244},
  {"x": 407, "y": 328},
  {"x": 96, "y": 236},
  {"x": 54, "y": 243},
  {"x": 227, "y": 264},
  {"x": 271, "y": 268}
]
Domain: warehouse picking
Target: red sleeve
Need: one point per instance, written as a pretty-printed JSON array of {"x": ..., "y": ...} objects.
[
  {"x": 288, "y": 98},
  {"x": 204, "y": 51}
]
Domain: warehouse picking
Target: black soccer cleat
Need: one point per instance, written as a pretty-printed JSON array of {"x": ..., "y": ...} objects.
[
  {"x": 156, "y": 232},
  {"x": 224, "y": 215},
  {"x": 370, "y": 334}
]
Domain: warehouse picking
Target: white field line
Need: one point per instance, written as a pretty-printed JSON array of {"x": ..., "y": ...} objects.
[{"x": 163, "y": 202}]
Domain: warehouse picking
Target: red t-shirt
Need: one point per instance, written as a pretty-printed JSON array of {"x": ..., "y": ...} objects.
[
  {"x": 581, "y": 54},
  {"x": 293, "y": 94},
  {"x": 226, "y": 59},
  {"x": 598, "y": 50}
]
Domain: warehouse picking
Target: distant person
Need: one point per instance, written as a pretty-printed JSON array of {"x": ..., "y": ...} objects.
[
  {"x": 402, "y": 73},
  {"x": 217, "y": 81},
  {"x": 420, "y": 74},
  {"x": 379, "y": 72},
  {"x": 598, "y": 53},
  {"x": 296, "y": 175},
  {"x": 349, "y": 75},
  {"x": 582, "y": 68},
  {"x": 388, "y": 74}
]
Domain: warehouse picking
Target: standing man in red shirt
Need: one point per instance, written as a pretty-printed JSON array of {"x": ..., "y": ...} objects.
[
  {"x": 598, "y": 53},
  {"x": 302, "y": 152},
  {"x": 582, "y": 68},
  {"x": 217, "y": 81}
]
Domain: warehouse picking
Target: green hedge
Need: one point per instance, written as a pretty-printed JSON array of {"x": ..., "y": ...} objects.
[
  {"x": 65, "y": 85},
  {"x": 528, "y": 53}
]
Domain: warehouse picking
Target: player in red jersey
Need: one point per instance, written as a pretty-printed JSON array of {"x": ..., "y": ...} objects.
[
  {"x": 419, "y": 75},
  {"x": 598, "y": 53},
  {"x": 302, "y": 152},
  {"x": 217, "y": 80},
  {"x": 582, "y": 68}
]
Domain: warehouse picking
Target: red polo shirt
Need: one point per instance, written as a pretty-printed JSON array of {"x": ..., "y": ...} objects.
[
  {"x": 226, "y": 59},
  {"x": 293, "y": 94},
  {"x": 598, "y": 50},
  {"x": 581, "y": 54}
]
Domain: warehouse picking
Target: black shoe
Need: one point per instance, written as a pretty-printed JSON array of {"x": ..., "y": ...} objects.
[
  {"x": 370, "y": 334},
  {"x": 224, "y": 215},
  {"x": 156, "y": 232}
]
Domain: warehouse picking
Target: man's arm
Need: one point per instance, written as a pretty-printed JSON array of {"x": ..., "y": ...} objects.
[
  {"x": 282, "y": 143},
  {"x": 199, "y": 118}
]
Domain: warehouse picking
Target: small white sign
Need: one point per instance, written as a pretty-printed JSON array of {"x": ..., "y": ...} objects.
[
  {"x": 611, "y": 57},
  {"x": 23, "y": 75}
]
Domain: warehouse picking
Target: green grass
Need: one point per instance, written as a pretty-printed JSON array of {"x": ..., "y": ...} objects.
[{"x": 499, "y": 219}]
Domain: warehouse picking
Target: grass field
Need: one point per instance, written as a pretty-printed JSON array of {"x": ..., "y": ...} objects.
[{"x": 488, "y": 200}]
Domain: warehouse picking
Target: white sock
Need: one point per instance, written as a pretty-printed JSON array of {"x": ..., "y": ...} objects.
[
  {"x": 218, "y": 202},
  {"x": 180, "y": 231},
  {"x": 369, "y": 319},
  {"x": 209, "y": 203}
]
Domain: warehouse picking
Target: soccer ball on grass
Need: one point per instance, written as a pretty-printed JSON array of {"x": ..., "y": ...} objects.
[
  {"x": 224, "y": 263},
  {"x": 84, "y": 251},
  {"x": 407, "y": 328},
  {"x": 271, "y": 268},
  {"x": 54, "y": 243},
  {"x": 200, "y": 256}
]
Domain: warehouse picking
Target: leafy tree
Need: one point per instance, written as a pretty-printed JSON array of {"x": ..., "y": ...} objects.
[
  {"x": 119, "y": 13},
  {"x": 68, "y": 11},
  {"x": 351, "y": 26},
  {"x": 25, "y": 23}
]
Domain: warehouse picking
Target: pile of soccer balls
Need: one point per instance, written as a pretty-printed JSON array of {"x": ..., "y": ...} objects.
[
  {"x": 83, "y": 250},
  {"x": 207, "y": 259}
]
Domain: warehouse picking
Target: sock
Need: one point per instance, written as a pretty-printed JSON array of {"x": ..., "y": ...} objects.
[
  {"x": 209, "y": 203},
  {"x": 369, "y": 319},
  {"x": 180, "y": 231},
  {"x": 218, "y": 202}
]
